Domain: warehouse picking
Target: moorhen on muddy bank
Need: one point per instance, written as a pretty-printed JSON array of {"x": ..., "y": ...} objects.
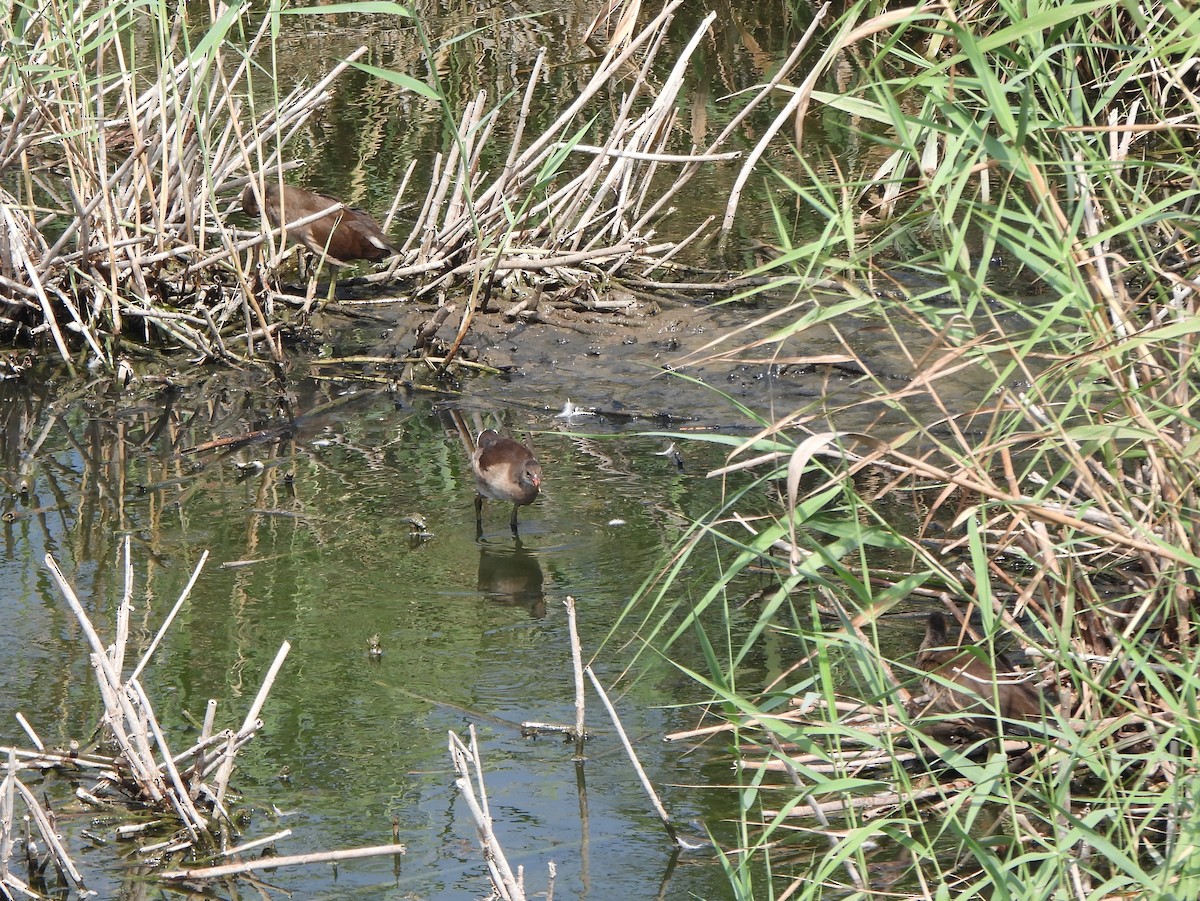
[{"x": 343, "y": 235}]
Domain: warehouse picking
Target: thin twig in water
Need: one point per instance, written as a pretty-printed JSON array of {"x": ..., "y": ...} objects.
[
  {"x": 633, "y": 758},
  {"x": 263, "y": 863},
  {"x": 183, "y": 596}
]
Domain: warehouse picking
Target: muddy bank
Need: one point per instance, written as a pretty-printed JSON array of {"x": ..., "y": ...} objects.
[{"x": 659, "y": 363}]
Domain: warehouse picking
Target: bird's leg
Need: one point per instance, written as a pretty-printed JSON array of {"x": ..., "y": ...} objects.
[
  {"x": 311, "y": 271},
  {"x": 310, "y": 293},
  {"x": 479, "y": 510},
  {"x": 258, "y": 268},
  {"x": 513, "y": 522},
  {"x": 311, "y": 301},
  {"x": 333, "y": 270}
]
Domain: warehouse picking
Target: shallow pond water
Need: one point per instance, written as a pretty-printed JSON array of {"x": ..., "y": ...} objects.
[
  {"x": 316, "y": 548},
  {"x": 311, "y": 537}
]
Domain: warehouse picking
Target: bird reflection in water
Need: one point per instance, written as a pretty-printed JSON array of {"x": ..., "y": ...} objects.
[{"x": 512, "y": 576}]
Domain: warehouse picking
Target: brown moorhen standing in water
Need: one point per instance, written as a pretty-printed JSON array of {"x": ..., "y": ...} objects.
[
  {"x": 972, "y": 685},
  {"x": 344, "y": 235},
  {"x": 505, "y": 470}
]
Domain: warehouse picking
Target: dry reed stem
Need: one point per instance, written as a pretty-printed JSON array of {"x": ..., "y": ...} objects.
[
  {"x": 468, "y": 766},
  {"x": 122, "y": 717},
  {"x": 10, "y": 788},
  {"x": 49, "y": 833},
  {"x": 170, "y": 617},
  {"x": 633, "y": 758},
  {"x": 259, "y": 843},
  {"x": 252, "y": 722},
  {"x": 29, "y": 730},
  {"x": 577, "y": 670},
  {"x": 291, "y": 860},
  {"x": 7, "y": 819}
]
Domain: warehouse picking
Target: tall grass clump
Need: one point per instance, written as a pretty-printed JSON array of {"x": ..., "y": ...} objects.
[
  {"x": 129, "y": 131},
  {"x": 1022, "y": 221},
  {"x": 123, "y": 125}
]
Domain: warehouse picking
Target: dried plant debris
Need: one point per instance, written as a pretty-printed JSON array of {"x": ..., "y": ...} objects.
[
  {"x": 179, "y": 805},
  {"x": 122, "y": 222}
]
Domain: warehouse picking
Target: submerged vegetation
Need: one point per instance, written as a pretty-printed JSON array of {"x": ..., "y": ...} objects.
[{"x": 1026, "y": 201}]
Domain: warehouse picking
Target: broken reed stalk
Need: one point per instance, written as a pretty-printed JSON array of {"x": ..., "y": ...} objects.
[
  {"x": 257, "y": 843},
  {"x": 123, "y": 621},
  {"x": 577, "y": 669},
  {"x": 577, "y": 731},
  {"x": 266, "y": 863},
  {"x": 10, "y": 788},
  {"x": 7, "y": 791},
  {"x": 125, "y": 721},
  {"x": 124, "y": 611},
  {"x": 469, "y": 767},
  {"x": 29, "y": 730},
  {"x": 633, "y": 758},
  {"x": 252, "y": 722}
]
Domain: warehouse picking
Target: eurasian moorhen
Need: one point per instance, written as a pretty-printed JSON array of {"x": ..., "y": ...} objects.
[
  {"x": 505, "y": 470},
  {"x": 344, "y": 235},
  {"x": 972, "y": 685}
]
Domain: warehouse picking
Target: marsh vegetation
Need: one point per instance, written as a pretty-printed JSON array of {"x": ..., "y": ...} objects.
[
  {"x": 1035, "y": 213},
  {"x": 1012, "y": 202}
]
